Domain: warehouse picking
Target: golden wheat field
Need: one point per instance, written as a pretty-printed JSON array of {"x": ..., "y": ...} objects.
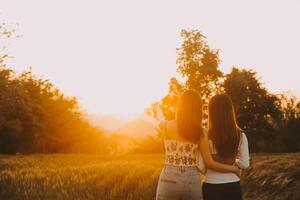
[{"x": 61, "y": 177}]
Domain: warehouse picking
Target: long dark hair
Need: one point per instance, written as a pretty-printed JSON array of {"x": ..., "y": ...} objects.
[
  {"x": 223, "y": 129},
  {"x": 189, "y": 116}
]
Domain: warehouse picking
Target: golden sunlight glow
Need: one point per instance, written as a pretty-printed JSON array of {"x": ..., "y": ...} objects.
[{"x": 117, "y": 56}]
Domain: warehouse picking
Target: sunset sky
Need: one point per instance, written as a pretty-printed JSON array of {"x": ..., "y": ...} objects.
[{"x": 117, "y": 56}]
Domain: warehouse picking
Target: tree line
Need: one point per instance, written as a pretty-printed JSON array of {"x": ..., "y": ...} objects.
[
  {"x": 271, "y": 121},
  {"x": 36, "y": 117}
]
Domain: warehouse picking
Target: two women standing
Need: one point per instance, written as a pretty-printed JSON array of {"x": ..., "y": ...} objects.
[{"x": 218, "y": 153}]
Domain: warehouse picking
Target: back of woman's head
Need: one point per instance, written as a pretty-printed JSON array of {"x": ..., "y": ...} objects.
[
  {"x": 189, "y": 116},
  {"x": 223, "y": 128}
]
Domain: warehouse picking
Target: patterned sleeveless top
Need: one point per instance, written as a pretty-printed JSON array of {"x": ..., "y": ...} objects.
[{"x": 179, "y": 153}]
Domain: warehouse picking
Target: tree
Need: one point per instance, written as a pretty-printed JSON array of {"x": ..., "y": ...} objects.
[
  {"x": 35, "y": 116},
  {"x": 199, "y": 66},
  {"x": 257, "y": 110},
  {"x": 289, "y": 128},
  {"x": 198, "y": 63}
]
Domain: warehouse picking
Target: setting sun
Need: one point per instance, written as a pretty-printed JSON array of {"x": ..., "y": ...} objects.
[
  {"x": 117, "y": 58},
  {"x": 144, "y": 100}
]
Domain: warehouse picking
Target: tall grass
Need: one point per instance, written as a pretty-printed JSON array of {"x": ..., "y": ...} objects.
[
  {"x": 78, "y": 177},
  {"x": 83, "y": 177}
]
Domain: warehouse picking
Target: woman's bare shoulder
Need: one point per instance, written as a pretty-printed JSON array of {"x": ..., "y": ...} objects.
[{"x": 167, "y": 128}]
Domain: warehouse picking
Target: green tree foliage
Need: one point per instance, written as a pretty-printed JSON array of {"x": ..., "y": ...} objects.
[
  {"x": 37, "y": 117},
  {"x": 271, "y": 122},
  {"x": 257, "y": 111},
  {"x": 289, "y": 127},
  {"x": 198, "y": 65}
]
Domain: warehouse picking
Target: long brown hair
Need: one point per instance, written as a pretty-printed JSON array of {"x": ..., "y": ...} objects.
[
  {"x": 189, "y": 116},
  {"x": 223, "y": 129}
]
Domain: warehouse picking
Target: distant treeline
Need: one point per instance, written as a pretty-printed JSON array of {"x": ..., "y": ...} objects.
[
  {"x": 36, "y": 117},
  {"x": 271, "y": 121}
]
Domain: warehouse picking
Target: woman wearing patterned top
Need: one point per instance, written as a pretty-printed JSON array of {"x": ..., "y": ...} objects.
[{"x": 186, "y": 145}]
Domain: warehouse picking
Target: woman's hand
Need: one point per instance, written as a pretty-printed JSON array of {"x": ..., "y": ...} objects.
[{"x": 237, "y": 171}]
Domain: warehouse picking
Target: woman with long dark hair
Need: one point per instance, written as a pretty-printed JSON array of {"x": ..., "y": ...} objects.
[
  {"x": 186, "y": 145},
  {"x": 228, "y": 145}
]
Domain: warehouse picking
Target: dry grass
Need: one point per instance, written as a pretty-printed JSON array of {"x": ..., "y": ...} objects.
[
  {"x": 61, "y": 177},
  {"x": 275, "y": 177}
]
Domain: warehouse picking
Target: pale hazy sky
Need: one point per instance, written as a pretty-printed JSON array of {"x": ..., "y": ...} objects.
[{"x": 117, "y": 56}]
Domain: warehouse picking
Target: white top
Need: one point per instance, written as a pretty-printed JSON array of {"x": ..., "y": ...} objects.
[{"x": 242, "y": 161}]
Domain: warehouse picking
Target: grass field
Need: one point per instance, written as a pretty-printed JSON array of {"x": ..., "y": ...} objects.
[{"x": 61, "y": 177}]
